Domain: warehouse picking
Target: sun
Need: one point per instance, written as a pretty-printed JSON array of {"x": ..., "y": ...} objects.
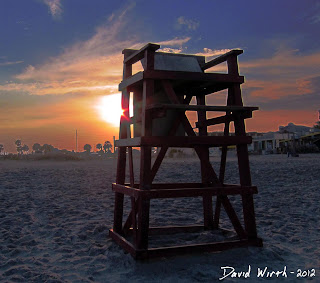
[{"x": 109, "y": 109}]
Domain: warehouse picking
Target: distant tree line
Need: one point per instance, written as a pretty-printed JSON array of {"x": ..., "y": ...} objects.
[
  {"x": 46, "y": 148},
  {"x": 105, "y": 148},
  {"x": 21, "y": 148}
]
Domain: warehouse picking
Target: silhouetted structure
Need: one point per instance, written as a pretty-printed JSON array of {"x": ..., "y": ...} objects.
[{"x": 161, "y": 95}]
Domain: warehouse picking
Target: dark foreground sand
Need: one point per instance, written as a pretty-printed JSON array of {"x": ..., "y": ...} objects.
[{"x": 55, "y": 216}]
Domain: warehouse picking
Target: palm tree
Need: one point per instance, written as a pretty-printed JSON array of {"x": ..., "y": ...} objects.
[
  {"x": 107, "y": 147},
  {"x": 99, "y": 146},
  {"x": 1, "y": 148},
  {"x": 87, "y": 147},
  {"x": 25, "y": 148},
  {"x": 37, "y": 148},
  {"x": 18, "y": 144},
  {"x": 47, "y": 148}
]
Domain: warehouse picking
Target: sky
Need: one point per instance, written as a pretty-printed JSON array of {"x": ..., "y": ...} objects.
[{"x": 61, "y": 60}]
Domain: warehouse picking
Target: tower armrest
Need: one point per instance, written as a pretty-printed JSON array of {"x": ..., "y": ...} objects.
[
  {"x": 222, "y": 58},
  {"x": 139, "y": 54}
]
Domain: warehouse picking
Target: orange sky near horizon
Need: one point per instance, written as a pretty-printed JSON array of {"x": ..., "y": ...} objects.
[
  {"x": 59, "y": 129},
  {"x": 45, "y": 98},
  {"x": 53, "y": 119}
]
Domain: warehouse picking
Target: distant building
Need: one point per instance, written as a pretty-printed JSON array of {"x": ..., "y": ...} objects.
[
  {"x": 288, "y": 138},
  {"x": 271, "y": 142},
  {"x": 297, "y": 129}
]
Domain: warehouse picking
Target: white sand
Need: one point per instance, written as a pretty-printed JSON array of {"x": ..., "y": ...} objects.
[{"x": 55, "y": 216}]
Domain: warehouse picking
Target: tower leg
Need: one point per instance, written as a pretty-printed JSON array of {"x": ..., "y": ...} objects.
[
  {"x": 244, "y": 166},
  {"x": 144, "y": 203},
  {"x": 118, "y": 200},
  {"x": 143, "y": 223},
  {"x": 205, "y": 175}
]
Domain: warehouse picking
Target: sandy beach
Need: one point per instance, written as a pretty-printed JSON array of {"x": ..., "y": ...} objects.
[{"x": 55, "y": 216}]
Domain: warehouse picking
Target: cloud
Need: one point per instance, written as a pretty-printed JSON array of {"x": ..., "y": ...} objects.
[
  {"x": 293, "y": 102},
  {"x": 55, "y": 8},
  {"x": 213, "y": 52},
  {"x": 315, "y": 19},
  {"x": 93, "y": 66},
  {"x": 286, "y": 80},
  {"x": 189, "y": 24},
  {"x": 8, "y": 63},
  {"x": 286, "y": 72},
  {"x": 175, "y": 41},
  {"x": 170, "y": 50},
  {"x": 314, "y": 14}
]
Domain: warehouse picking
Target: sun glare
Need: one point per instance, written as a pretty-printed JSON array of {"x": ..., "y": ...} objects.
[{"x": 109, "y": 109}]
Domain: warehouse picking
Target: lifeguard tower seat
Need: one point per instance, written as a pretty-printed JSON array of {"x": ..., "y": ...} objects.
[{"x": 162, "y": 93}]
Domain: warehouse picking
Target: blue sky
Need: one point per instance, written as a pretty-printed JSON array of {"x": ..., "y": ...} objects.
[{"x": 58, "y": 58}]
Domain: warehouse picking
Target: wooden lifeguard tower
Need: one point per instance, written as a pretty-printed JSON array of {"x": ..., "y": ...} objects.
[{"x": 162, "y": 92}]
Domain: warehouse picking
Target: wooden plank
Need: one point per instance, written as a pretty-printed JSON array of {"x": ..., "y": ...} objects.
[
  {"x": 224, "y": 119},
  {"x": 158, "y": 161},
  {"x": 124, "y": 190},
  {"x": 233, "y": 216},
  {"x": 193, "y": 76},
  {"x": 143, "y": 204},
  {"x": 146, "y": 121},
  {"x": 182, "y": 249},
  {"x": 207, "y": 88},
  {"x": 163, "y": 186},
  {"x": 124, "y": 132},
  {"x": 194, "y": 192},
  {"x": 131, "y": 167},
  {"x": 205, "y": 173},
  {"x": 139, "y": 54},
  {"x": 122, "y": 242},
  {"x": 220, "y": 81},
  {"x": 134, "y": 219},
  {"x": 149, "y": 60},
  {"x": 232, "y": 62},
  {"x": 118, "y": 212},
  {"x": 221, "y": 59},
  {"x": 131, "y": 218},
  {"x": 131, "y": 81},
  {"x": 133, "y": 200},
  {"x": 145, "y": 167},
  {"x": 121, "y": 167},
  {"x": 197, "y": 248},
  {"x": 198, "y": 57},
  {"x": 202, "y": 107},
  {"x": 187, "y": 141},
  {"x": 184, "y": 189},
  {"x": 170, "y": 230},
  {"x": 143, "y": 223}
]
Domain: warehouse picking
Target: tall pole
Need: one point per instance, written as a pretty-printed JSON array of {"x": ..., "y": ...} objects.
[{"x": 76, "y": 140}]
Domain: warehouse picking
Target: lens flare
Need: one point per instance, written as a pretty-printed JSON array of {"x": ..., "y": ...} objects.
[{"x": 109, "y": 109}]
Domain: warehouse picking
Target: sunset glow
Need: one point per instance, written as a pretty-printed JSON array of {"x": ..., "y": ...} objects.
[
  {"x": 109, "y": 109},
  {"x": 60, "y": 71}
]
